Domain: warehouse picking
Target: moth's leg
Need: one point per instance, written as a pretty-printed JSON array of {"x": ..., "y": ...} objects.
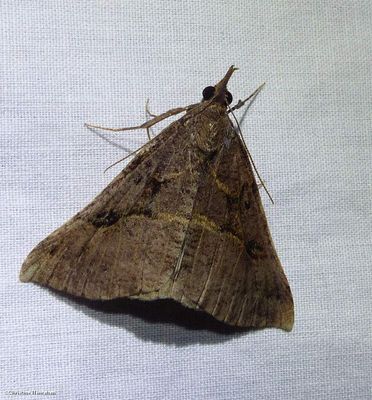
[
  {"x": 244, "y": 144},
  {"x": 129, "y": 155},
  {"x": 148, "y": 133},
  {"x": 146, "y": 124},
  {"x": 147, "y": 109},
  {"x": 148, "y": 113},
  {"x": 251, "y": 96}
]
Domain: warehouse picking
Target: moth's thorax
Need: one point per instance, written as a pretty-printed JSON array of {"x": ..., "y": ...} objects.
[{"x": 209, "y": 127}]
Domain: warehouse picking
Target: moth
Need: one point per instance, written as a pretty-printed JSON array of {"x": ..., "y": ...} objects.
[{"x": 183, "y": 221}]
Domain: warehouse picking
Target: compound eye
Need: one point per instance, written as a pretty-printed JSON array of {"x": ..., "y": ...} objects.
[
  {"x": 229, "y": 97},
  {"x": 208, "y": 92}
]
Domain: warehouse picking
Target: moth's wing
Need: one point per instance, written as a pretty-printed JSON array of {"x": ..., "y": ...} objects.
[
  {"x": 168, "y": 227},
  {"x": 229, "y": 265},
  {"x": 126, "y": 242}
]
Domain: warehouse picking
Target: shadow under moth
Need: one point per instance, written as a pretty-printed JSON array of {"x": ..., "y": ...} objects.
[{"x": 183, "y": 221}]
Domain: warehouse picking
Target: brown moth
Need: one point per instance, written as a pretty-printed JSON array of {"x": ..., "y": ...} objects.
[{"x": 183, "y": 221}]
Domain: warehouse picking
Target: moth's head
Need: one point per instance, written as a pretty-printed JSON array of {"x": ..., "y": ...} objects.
[{"x": 219, "y": 93}]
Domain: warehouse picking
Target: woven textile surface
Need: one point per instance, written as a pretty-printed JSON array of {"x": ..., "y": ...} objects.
[{"x": 309, "y": 131}]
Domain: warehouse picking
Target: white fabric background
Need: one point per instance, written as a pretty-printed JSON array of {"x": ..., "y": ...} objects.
[{"x": 65, "y": 63}]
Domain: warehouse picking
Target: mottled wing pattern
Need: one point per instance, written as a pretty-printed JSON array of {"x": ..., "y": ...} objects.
[
  {"x": 126, "y": 242},
  {"x": 229, "y": 265},
  {"x": 176, "y": 223}
]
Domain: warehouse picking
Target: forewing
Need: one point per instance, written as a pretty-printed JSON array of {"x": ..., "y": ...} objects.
[
  {"x": 229, "y": 266},
  {"x": 126, "y": 241}
]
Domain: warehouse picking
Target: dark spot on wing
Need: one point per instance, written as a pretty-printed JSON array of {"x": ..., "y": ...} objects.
[
  {"x": 148, "y": 163},
  {"x": 134, "y": 163},
  {"x": 254, "y": 187},
  {"x": 137, "y": 179},
  {"x": 105, "y": 218},
  {"x": 153, "y": 186},
  {"x": 144, "y": 203},
  {"x": 52, "y": 249},
  {"x": 211, "y": 155},
  {"x": 253, "y": 248},
  {"x": 147, "y": 212},
  {"x": 245, "y": 196},
  {"x": 232, "y": 203},
  {"x": 273, "y": 293},
  {"x": 231, "y": 222}
]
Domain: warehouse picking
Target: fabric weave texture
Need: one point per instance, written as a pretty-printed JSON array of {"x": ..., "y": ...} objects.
[{"x": 66, "y": 63}]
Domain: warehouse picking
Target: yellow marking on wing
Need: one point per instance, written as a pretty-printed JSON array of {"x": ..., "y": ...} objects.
[
  {"x": 168, "y": 177},
  {"x": 210, "y": 225},
  {"x": 173, "y": 175},
  {"x": 197, "y": 219},
  {"x": 172, "y": 218},
  {"x": 136, "y": 217},
  {"x": 224, "y": 188},
  {"x": 233, "y": 237},
  {"x": 205, "y": 222}
]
